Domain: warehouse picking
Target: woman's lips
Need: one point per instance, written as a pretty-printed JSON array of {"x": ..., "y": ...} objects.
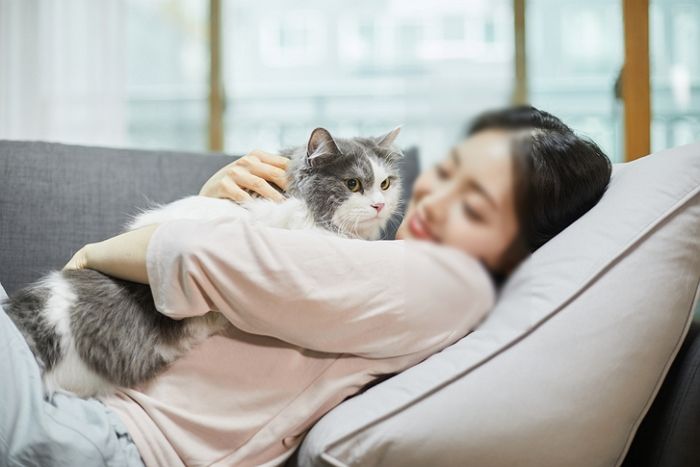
[{"x": 419, "y": 229}]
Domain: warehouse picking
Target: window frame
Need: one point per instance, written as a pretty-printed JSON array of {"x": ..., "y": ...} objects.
[{"x": 636, "y": 89}]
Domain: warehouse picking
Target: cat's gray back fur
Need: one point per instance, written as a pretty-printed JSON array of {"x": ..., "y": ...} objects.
[
  {"x": 40, "y": 335},
  {"x": 117, "y": 327}
]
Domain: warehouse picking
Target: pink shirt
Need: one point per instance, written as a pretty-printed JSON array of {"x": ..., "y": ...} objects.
[{"x": 316, "y": 317}]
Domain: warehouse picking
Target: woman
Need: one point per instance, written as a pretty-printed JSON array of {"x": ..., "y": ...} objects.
[{"x": 317, "y": 317}]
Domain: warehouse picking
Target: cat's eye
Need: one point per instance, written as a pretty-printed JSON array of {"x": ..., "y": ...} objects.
[
  {"x": 385, "y": 184},
  {"x": 354, "y": 184}
]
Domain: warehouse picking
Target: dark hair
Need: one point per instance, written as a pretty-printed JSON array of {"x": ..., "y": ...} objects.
[{"x": 559, "y": 175}]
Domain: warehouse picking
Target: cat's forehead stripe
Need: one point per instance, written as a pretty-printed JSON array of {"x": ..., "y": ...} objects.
[
  {"x": 380, "y": 172},
  {"x": 363, "y": 166}
]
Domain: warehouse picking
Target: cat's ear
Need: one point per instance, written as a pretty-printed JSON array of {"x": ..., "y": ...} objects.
[
  {"x": 321, "y": 148},
  {"x": 386, "y": 140}
]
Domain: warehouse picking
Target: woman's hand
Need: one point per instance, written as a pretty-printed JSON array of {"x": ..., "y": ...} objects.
[
  {"x": 79, "y": 259},
  {"x": 251, "y": 172},
  {"x": 123, "y": 256}
]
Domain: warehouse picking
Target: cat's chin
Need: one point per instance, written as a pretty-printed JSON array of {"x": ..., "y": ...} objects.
[{"x": 370, "y": 229}]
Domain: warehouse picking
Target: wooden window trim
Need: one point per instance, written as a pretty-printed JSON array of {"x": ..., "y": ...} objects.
[
  {"x": 216, "y": 87},
  {"x": 635, "y": 79},
  {"x": 520, "y": 90}
]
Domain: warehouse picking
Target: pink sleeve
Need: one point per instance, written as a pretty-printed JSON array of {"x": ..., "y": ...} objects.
[{"x": 375, "y": 299}]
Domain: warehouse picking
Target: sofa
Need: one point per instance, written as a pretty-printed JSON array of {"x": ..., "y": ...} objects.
[{"x": 55, "y": 198}]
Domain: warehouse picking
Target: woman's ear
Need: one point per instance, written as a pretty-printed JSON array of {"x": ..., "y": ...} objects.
[{"x": 321, "y": 148}]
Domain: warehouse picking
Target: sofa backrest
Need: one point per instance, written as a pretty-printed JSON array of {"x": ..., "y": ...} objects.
[{"x": 55, "y": 198}]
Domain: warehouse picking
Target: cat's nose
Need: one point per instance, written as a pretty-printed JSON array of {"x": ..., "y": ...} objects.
[{"x": 378, "y": 207}]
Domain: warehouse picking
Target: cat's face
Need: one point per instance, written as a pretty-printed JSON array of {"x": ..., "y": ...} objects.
[{"x": 350, "y": 185}]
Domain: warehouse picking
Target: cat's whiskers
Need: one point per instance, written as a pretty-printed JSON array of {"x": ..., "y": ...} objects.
[
  {"x": 351, "y": 233},
  {"x": 357, "y": 221}
]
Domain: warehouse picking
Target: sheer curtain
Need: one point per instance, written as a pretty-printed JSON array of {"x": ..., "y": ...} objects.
[{"x": 62, "y": 71}]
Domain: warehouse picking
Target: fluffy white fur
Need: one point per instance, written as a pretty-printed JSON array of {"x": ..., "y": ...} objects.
[
  {"x": 290, "y": 214},
  {"x": 70, "y": 374}
]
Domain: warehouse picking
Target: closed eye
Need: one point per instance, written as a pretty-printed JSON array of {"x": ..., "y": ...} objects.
[
  {"x": 441, "y": 172},
  {"x": 471, "y": 213}
]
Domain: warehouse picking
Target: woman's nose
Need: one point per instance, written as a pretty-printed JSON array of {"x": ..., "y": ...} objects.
[
  {"x": 433, "y": 206},
  {"x": 378, "y": 207}
]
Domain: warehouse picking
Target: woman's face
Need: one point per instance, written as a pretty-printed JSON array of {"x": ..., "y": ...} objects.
[{"x": 467, "y": 200}]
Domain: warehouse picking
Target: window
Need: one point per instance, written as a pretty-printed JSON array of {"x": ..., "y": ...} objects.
[
  {"x": 674, "y": 33},
  {"x": 297, "y": 38},
  {"x": 359, "y": 44},
  {"x": 361, "y": 68},
  {"x": 136, "y": 72},
  {"x": 167, "y": 66},
  {"x": 409, "y": 37},
  {"x": 574, "y": 53}
]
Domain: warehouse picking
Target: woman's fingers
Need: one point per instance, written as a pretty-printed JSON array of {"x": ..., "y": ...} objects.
[
  {"x": 245, "y": 179},
  {"x": 229, "y": 189},
  {"x": 271, "y": 159},
  {"x": 78, "y": 261},
  {"x": 270, "y": 173},
  {"x": 249, "y": 172}
]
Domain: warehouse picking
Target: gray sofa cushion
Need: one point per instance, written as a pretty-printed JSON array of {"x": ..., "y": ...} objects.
[{"x": 55, "y": 198}]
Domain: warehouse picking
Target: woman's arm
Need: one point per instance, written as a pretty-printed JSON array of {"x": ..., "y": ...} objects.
[
  {"x": 123, "y": 256},
  {"x": 374, "y": 299}
]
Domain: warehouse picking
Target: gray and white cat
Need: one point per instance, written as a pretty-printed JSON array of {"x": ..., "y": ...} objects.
[{"x": 91, "y": 332}]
